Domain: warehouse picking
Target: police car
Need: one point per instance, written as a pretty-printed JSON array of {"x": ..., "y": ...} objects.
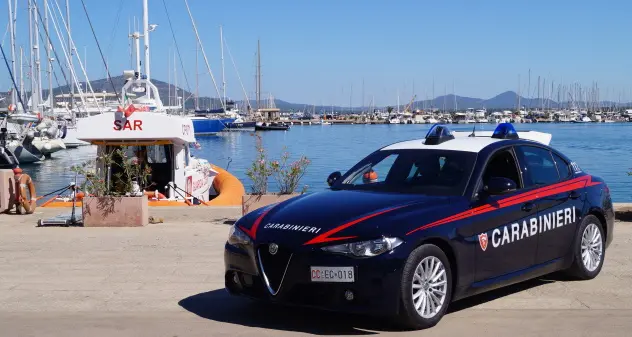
[{"x": 421, "y": 223}]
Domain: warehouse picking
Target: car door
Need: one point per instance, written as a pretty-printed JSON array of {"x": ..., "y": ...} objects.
[
  {"x": 502, "y": 229},
  {"x": 558, "y": 213}
]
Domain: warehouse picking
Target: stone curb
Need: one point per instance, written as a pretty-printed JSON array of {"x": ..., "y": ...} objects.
[{"x": 623, "y": 211}]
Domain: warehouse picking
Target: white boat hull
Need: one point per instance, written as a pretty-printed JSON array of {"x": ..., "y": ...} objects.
[
  {"x": 71, "y": 141},
  {"x": 48, "y": 146}
]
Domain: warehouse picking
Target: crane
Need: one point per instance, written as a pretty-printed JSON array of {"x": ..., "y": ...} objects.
[{"x": 410, "y": 103}]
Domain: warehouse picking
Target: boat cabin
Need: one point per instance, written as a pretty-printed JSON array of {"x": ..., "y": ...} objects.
[{"x": 157, "y": 141}]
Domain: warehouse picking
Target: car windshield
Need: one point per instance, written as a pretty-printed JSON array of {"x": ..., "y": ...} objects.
[{"x": 431, "y": 172}]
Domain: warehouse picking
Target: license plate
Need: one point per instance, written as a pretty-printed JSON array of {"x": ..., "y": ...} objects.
[{"x": 332, "y": 274}]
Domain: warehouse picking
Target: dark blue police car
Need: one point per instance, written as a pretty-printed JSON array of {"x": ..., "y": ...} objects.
[{"x": 419, "y": 224}]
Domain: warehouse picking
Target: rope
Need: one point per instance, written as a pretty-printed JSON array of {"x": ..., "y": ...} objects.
[
  {"x": 118, "y": 98},
  {"x": 115, "y": 29},
  {"x": 55, "y": 192},
  {"x": 56, "y": 58},
  {"x": 175, "y": 188},
  {"x": 188, "y": 194},
  {"x": 12, "y": 78},
  {"x": 175, "y": 41}
]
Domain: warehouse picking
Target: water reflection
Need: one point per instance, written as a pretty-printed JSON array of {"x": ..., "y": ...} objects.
[{"x": 600, "y": 149}]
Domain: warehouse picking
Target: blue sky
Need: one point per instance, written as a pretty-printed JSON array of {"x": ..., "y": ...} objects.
[{"x": 313, "y": 52}]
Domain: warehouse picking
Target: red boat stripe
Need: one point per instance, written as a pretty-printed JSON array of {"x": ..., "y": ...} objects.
[
  {"x": 573, "y": 184},
  {"x": 326, "y": 237},
  {"x": 252, "y": 232}
]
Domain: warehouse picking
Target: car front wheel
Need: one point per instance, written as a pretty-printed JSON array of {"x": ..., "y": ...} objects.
[
  {"x": 426, "y": 287},
  {"x": 589, "y": 249}
]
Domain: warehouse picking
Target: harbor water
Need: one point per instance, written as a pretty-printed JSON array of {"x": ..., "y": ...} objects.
[{"x": 602, "y": 149}]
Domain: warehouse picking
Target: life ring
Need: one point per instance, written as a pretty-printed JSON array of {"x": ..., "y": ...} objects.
[
  {"x": 64, "y": 131},
  {"x": 24, "y": 183}
]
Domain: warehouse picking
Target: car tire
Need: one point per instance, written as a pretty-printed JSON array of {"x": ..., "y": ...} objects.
[
  {"x": 589, "y": 249},
  {"x": 417, "y": 287}
]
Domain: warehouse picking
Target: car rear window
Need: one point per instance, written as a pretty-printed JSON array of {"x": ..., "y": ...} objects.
[
  {"x": 563, "y": 167},
  {"x": 540, "y": 167}
]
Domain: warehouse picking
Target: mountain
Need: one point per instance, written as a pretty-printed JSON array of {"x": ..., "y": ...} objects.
[{"x": 505, "y": 100}]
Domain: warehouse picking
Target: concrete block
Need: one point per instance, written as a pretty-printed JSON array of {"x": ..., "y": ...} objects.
[
  {"x": 7, "y": 190},
  {"x": 112, "y": 211}
]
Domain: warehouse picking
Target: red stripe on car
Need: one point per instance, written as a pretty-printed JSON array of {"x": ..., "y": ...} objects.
[
  {"x": 566, "y": 186},
  {"x": 326, "y": 237},
  {"x": 252, "y": 232}
]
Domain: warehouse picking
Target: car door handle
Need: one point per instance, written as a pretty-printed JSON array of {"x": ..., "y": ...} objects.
[
  {"x": 574, "y": 195},
  {"x": 527, "y": 207}
]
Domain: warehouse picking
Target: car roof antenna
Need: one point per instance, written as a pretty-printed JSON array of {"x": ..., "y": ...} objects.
[{"x": 473, "y": 131}]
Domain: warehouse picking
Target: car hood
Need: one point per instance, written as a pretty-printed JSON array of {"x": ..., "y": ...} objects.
[{"x": 336, "y": 216}]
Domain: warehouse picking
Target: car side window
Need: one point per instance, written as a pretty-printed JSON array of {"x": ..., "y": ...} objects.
[
  {"x": 563, "y": 167},
  {"x": 538, "y": 166},
  {"x": 502, "y": 165}
]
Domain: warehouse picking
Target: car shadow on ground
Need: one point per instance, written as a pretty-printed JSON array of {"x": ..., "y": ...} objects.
[{"x": 218, "y": 305}]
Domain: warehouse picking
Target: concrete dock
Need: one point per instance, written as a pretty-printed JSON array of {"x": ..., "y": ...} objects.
[{"x": 167, "y": 280}]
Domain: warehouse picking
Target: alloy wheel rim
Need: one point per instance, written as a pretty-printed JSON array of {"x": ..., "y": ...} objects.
[
  {"x": 429, "y": 287},
  {"x": 592, "y": 247}
]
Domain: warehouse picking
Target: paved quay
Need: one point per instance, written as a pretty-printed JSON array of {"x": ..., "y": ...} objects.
[{"x": 167, "y": 280}]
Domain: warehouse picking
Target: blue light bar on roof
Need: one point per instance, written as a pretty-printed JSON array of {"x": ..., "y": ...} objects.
[
  {"x": 438, "y": 134},
  {"x": 505, "y": 131}
]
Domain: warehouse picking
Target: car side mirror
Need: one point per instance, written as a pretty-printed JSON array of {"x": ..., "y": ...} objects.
[
  {"x": 333, "y": 178},
  {"x": 499, "y": 185}
]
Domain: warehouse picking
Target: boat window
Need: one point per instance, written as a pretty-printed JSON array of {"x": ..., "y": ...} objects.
[
  {"x": 156, "y": 154},
  {"x": 431, "y": 172}
]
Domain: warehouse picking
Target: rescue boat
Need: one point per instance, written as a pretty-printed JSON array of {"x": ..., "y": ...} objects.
[{"x": 178, "y": 178}]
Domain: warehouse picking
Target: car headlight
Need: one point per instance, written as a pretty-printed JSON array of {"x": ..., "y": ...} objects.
[
  {"x": 237, "y": 237},
  {"x": 365, "y": 248}
]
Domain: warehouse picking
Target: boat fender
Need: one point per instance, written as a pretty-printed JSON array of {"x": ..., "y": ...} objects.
[
  {"x": 24, "y": 183},
  {"x": 79, "y": 196},
  {"x": 154, "y": 194},
  {"x": 52, "y": 132},
  {"x": 64, "y": 130}
]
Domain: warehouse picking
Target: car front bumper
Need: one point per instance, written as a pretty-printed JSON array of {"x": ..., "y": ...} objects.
[{"x": 376, "y": 286}]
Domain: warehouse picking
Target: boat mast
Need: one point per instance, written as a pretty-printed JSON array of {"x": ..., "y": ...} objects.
[
  {"x": 413, "y": 107},
  {"x": 33, "y": 85},
  {"x": 199, "y": 41},
  {"x": 169, "y": 72},
  {"x": 221, "y": 39},
  {"x": 70, "y": 54},
  {"x": 22, "y": 74},
  {"x": 136, "y": 37},
  {"x": 12, "y": 36},
  {"x": 146, "y": 40},
  {"x": 197, "y": 78},
  {"x": 38, "y": 65},
  {"x": 258, "y": 74},
  {"x": 49, "y": 58}
]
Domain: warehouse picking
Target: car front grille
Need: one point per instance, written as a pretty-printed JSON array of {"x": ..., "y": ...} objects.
[{"x": 273, "y": 266}]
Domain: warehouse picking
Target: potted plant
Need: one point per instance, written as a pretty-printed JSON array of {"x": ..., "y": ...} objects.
[
  {"x": 286, "y": 174},
  {"x": 113, "y": 190}
]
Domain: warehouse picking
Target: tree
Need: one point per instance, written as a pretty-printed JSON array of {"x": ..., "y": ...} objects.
[{"x": 389, "y": 109}]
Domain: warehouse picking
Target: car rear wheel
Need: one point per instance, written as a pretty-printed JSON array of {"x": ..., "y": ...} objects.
[
  {"x": 426, "y": 287},
  {"x": 589, "y": 249}
]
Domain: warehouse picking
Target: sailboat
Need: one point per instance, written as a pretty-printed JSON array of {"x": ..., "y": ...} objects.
[
  {"x": 208, "y": 122},
  {"x": 270, "y": 112}
]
